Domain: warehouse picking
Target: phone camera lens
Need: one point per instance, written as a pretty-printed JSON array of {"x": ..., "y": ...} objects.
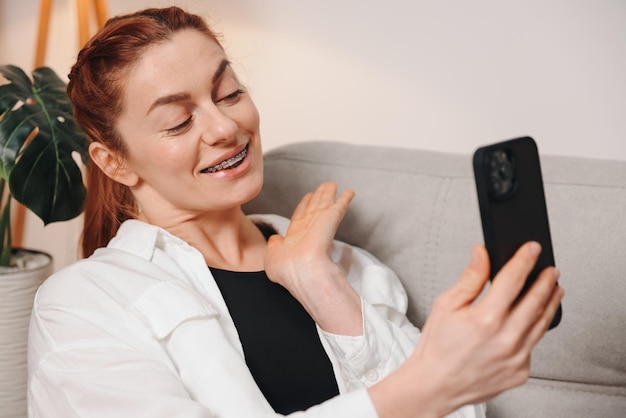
[
  {"x": 502, "y": 174},
  {"x": 505, "y": 170}
]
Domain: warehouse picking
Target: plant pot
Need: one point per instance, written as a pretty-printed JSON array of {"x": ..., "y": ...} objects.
[{"x": 18, "y": 286}]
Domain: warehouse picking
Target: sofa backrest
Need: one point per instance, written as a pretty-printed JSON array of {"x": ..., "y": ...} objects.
[{"x": 417, "y": 212}]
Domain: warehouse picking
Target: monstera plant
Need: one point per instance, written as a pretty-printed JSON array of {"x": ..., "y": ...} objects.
[{"x": 40, "y": 144}]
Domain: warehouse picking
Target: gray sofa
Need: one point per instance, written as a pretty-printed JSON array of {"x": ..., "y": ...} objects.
[{"x": 417, "y": 212}]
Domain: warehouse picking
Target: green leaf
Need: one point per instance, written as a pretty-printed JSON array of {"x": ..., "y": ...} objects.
[{"x": 41, "y": 173}]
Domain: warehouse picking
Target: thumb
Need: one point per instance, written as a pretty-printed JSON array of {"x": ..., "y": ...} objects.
[
  {"x": 274, "y": 240},
  {"x": 473, "y": 279}
]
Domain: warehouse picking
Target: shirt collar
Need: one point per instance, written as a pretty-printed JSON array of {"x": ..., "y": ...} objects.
[{"x": 141, "y": 238}]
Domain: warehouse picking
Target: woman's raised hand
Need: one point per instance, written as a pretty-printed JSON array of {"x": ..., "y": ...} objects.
[
  {"x": 471, "y": 351},
  {"x": 300, "y": 261},
  {"x": 312, "y": 228}
]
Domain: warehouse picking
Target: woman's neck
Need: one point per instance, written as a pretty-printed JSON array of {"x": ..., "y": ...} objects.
[{"x": 228, "y": 240}]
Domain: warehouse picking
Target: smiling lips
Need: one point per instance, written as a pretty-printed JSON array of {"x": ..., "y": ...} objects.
[{"x": 227, "y": 164}]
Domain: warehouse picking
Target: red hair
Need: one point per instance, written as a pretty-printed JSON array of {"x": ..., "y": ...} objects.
[{"x": 96, "y": 84}]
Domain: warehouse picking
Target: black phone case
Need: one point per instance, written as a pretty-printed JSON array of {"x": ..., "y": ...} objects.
[{"x": 512, "y": 204}]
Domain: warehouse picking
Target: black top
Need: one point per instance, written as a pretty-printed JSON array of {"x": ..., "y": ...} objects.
[{"x": 280, "y": 341}]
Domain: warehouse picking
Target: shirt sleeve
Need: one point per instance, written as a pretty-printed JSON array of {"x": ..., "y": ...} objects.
[
  {"x": 388, "y": 336},
  {"x": 365, "y": 359}
]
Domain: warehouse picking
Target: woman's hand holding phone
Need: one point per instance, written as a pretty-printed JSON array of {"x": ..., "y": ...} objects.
[{"x": 470, "y": 351}]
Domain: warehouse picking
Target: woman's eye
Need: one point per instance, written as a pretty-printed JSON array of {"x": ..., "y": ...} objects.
[
  {"x": 180, "y": 128},
  {"x": 232, "y": 98}
]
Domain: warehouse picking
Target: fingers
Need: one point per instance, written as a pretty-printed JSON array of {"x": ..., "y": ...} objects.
[
  {"x": 302, "y": 207},
  {"x": 537, "y": 304},
  {"x": 510, "y": 280},
  {"x": 530, "y": 316},
  {"x": 313, "y": 201},
  {"x": 343, "y": 201},
  {"x": 319, "y": 214},
  {"x": 472, "y": 281},
  {"x": 331, "y": 210},
  {"x": 541, "y": 326},
  {"x": 323, "y": 198}
]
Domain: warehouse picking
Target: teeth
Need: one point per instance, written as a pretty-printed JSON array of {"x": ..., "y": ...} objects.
[{"x": 231, "y": 162}]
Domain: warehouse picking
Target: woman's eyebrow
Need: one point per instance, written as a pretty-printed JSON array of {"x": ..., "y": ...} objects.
[
  {"x": 220, "y": 70},
  {"x": 179, "y": 97},
  {"x": 170, "y": 98}
]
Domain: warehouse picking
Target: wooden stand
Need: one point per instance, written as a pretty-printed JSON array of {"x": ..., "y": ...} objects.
[{"x": 82, "y": 10}]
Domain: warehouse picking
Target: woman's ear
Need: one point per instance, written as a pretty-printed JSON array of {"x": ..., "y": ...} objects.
[{"x": 112, "y": 165}]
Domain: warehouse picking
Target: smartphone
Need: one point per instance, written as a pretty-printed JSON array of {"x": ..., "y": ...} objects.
[{"x": 512, "y": 204}]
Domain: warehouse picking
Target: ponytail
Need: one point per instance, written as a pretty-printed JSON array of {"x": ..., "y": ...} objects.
[{"x": 107, "y": 205}]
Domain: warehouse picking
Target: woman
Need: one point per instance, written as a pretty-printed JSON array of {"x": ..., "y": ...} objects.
[{"x": 194, "y": 309}]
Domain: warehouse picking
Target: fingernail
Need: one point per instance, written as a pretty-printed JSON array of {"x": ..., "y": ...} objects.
[{"x": 535, "y": 248}]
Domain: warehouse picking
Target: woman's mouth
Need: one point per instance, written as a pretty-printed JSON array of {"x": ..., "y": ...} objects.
[{"x": 229, "y": 163}]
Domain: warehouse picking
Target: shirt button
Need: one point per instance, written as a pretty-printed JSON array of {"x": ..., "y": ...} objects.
[{"x": 371, "y": 375}]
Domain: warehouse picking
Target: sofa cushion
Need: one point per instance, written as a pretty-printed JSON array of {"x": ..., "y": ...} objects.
[{"x": 417, "y": 212}]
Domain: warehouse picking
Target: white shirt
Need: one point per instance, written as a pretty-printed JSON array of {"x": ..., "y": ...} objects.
[{"x": 140, "y": 329}]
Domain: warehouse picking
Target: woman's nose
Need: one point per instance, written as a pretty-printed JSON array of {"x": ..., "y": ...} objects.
[{"x": 218, "y": 126}]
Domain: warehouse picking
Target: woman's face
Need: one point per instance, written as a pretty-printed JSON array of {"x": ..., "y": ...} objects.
[{"x": 190, "y": 129}]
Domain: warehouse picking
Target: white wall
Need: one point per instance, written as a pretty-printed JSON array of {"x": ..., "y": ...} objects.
[{"x": 442, "y": 75}]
